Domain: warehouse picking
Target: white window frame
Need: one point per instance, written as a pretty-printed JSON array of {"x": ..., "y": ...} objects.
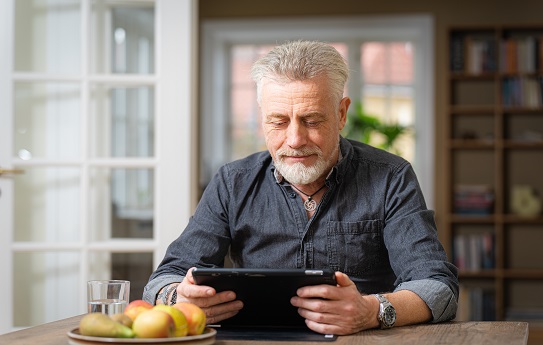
[{"x": 219, "y": 35}]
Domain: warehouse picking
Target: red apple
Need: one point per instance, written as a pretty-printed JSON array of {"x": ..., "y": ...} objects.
[
  {"x": 134, "y": 308},
  {"x": 196, "y": 317},
  {"x": 153, "y": 324}
]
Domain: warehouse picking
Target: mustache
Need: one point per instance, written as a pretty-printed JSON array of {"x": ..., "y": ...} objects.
[{"x": 281, "y": 153}]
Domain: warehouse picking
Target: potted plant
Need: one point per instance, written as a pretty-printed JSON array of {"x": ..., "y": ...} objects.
[{"x": 369, "y": 129}]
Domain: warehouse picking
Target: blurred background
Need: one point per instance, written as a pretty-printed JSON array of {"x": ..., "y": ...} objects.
[{"x": 117, "y": 113}]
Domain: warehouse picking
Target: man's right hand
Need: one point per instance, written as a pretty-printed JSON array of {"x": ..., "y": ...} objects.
[{"x": 217, "y": 306}]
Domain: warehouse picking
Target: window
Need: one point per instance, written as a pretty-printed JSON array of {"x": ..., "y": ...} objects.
[{"x": 391, "y": 72}]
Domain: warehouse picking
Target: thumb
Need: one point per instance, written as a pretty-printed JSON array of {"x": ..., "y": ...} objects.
[
  {"x": 343, "y": 280},
  {"x": 189, "y": 276}
]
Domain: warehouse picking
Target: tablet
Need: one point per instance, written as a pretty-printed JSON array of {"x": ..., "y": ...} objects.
[{"x": 265, "y": 293}]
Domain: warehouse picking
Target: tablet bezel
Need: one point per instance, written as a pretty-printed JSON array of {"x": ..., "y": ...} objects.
[{"x": 266, "y": 293}]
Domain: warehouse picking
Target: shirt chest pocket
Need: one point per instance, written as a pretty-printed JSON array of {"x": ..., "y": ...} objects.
[{"x": 356, "y": 248}]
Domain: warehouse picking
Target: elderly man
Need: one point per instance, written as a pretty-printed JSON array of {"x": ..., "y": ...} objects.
[{"x": 315, "y": 200}]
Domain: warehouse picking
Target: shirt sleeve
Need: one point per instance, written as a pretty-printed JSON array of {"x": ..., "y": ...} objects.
[
  {"x": 416, "y": 255},
  {"x": 151, "y": 290},
  {"x": 438, "y": 297},
  {"x": 203, "y": 243}
]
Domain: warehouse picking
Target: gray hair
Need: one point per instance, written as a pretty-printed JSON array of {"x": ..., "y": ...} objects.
[{"x": 299, "y": 61}]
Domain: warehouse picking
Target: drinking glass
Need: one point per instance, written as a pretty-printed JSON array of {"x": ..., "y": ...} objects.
[{"x": 107, "y": 296}]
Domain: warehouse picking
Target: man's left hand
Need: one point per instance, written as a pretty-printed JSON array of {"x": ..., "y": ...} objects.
[{"x": 340, "y": 309}]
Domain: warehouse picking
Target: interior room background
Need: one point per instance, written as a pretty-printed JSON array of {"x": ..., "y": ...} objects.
[{"x": 120, "y": 111}]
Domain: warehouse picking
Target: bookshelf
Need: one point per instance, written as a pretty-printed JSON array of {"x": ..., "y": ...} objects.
[{"x": 494, "y": 171}]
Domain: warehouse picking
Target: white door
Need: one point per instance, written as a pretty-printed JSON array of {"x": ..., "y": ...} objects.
[{"x": 96, "y": 147}]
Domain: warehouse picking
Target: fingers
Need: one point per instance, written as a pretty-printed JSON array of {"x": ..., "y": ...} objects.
[
  {"x": 328, "y": 317},
  {"x": 331, "y": 309},
  {"x": 343, "y": 280},
  {"x": 323, "y": 328},
  {"x": 217, "y": 306},
  {"x": 220, "y": 312},
  {"x": 328, "y": 291}
]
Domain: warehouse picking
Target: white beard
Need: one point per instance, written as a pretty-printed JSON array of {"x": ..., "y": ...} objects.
[{"x": 298, "y": 173}]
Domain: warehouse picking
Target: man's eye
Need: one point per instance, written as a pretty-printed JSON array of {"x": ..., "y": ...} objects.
[{"x": 312, "y": 123}]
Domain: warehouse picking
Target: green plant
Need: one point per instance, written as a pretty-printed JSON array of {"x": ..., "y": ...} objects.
[{"x": 371, "y": 130}]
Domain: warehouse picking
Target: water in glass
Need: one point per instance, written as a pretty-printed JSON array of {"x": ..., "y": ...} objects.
[{"x": 107, "y": 306}]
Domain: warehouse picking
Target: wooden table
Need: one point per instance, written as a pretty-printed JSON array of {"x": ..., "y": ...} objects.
[{"x": 507, "y": 333}]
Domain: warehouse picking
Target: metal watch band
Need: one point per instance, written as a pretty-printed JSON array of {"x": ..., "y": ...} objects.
[
  {"x": 173, "y": 300},
  {"x": 163, "y": 296},
  {"x": 381, "y": 298},
  {"x": 385, "y": 307}
]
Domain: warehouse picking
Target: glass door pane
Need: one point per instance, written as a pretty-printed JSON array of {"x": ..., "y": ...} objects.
[
  {"x": 47, "y": 205},
  {"x": 47, "y": 120},
  {"x": 121, "y": 203},
  {"x": 47, "y": 286},
  {"x": 48, "y": 36},
  {"x": 122, "y": 121},
  {"x": 122, "y": 37}
]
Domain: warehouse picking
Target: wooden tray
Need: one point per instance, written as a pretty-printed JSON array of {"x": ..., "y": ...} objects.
[{"x": 206, "y": 338}]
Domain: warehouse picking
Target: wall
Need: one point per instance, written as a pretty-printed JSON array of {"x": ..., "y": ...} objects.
[{"x": 446, "y": 13}]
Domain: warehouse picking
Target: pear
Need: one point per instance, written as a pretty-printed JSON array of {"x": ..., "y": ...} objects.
[
  {"x": 123, "y": 319},
  {"x": 101, "y": 325}
]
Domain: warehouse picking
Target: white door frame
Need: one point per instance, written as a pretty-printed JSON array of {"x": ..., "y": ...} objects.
[{"x": 176, "y": 189}]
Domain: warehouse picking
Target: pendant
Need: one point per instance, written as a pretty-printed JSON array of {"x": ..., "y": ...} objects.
[{"x": 310, "y": 205}]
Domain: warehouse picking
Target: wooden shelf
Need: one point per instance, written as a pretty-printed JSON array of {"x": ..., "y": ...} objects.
[
  {"x": 471, "y": 219},
  {"x": 519, "y": 273},
  {"x": 488, "y": 110},
  {"x": 465, "y": 144},
  {"x": 471, "y": 109},
  {"x": 512, "y": 218},
  {"x": 523, "y": 145}
]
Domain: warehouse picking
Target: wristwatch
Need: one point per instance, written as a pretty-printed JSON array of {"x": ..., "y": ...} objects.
[
  {"x": 163, "y": 296},
  {"x": 387, "y": 313}
]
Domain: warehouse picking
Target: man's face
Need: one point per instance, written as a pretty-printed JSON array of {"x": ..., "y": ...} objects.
[{"x": 301, "y": 123}]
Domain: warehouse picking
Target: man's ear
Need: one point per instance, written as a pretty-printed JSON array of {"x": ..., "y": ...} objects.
[{"x": 342, "y": 112}]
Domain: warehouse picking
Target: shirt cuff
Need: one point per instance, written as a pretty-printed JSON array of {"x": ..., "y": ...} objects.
[
  {"x": 152, "y": 288},
  {"x": 437, "y": 296}
]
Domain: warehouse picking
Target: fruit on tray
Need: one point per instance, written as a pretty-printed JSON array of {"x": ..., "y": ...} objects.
[
  {"x": 101, "y": 325},
  {"x": 134, "y": 308},
  {"x": 123, "y": 319},
  {"x": 154, "y": 323},
  {"x": 196, "y": 318},
  {"x": 181, "y": 328},
  {"x": 143, "y": 320}
]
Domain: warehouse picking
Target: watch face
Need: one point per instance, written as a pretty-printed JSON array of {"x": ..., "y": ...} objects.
[{"x": 389, "y": 316}]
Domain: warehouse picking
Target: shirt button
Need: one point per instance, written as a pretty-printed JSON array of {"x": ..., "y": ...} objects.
[{"x": 293, "y": 195}]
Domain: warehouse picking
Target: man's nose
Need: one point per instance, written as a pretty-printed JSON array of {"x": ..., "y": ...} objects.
[{"x": 296, "y": 135}]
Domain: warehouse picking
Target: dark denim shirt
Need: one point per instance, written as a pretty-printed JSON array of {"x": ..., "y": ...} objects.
[{"x": 372, "y": 224}]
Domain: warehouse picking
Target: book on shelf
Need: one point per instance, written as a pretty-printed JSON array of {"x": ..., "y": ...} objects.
[
  {"x": 522, "y": 92},
  {"x": 457, "y": 53},
  {"x": 473, "y": 54},
  {"x": 473, "y": 199},
  {"x": 474, "y": 252},
  {"x": 521, "y": 54},
  {"x": 476, "y": 304},
  {"x": 481, "y": 55}
]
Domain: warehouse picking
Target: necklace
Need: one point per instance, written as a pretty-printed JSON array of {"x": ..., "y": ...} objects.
[{"x": 310, "y": 204}]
